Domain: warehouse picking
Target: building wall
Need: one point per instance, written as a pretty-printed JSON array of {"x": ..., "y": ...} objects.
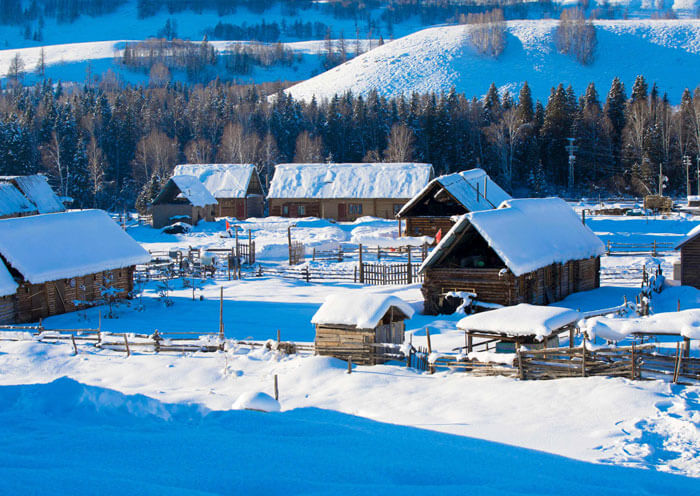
[
  {"x": 427, "y": 226},
  {"x": 38, "y": 301},
  {"x": 690, "y": 263},
  {"x": 241, "y": 208},
  {"x": 163, "y": 213},
  {"x": 8, "y": 309},
  {"x": 338, "y": 209}
]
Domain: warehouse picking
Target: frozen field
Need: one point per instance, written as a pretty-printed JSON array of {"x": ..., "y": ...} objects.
[{"x": 384, "y": 428}]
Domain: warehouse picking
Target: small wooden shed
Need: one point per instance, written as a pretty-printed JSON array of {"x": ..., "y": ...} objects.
[
  {"x": 527, "y": 251},
  {"x": 690, "y": 259},
  {"x": 182, "y": 199},
  {"x": 66, "y": 261},
  {"x": 236, "y": 187},
  {"x": 434, "y": 208},
  {"x": 357, "y": 325}
]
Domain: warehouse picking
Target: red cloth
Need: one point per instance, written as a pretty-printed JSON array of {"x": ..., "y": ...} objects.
[{"x": 438, "y": 235}]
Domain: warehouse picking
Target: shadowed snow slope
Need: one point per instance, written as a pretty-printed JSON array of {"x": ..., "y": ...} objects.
[
  {"x": 67, "y": 438},
  {"x": 436, "y": 59}
]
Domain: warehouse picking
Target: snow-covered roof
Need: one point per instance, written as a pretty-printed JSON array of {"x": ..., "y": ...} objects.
[
  {"x": 221, "y": 180},
  {"x": 69, "y": 244},
  {"x": 37, "y": 190},
  {"x": 474, "y": 189},
  {"x": 377, "y": 180},
  {"x": 190, "y": 189},
  {"x": 361, "y": 310},
  {"x": 691, "y": 234},
  {"x": 686, "y": 323},
  {"x": 520, "y": 320},
  {"x": 12, "y": 202},
  {"x": 8, "y": 285},
  {"x": 527, "y": 234}
]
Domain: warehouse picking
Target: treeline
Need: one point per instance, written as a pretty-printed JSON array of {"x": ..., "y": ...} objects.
[
  {"x": 19, "y": 12},
  {"x": 576, "y": 36},
  {"x": 487, "y": 31},
  {"x": 110, "y": 145},
  {"x": 267, "y": 31}
]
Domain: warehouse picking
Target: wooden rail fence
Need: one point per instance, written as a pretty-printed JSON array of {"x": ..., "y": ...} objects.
[{"x": 653, "y": 248}]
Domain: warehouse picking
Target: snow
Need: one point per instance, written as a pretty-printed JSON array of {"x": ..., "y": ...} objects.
[
  {"x": 12, "y": 202},
  {"x": 221, "y": 180},
  {"x": 193, "y": 190},
  {"x": 474, "y": 189},
  {"x": 37, "y": 190},
  {"x": 8, "y": 286},
  {"x": 368, "y": 180},
  {"x": 691, "y": 234},
  {"x": 686, "y": 323},
  {"x": 521, "y": 320},
  {"x": 64, "y": 245},
  {"x": 440, "y": 58},
  {"x": 258, "y": 401},
  {"x": 364, "y": 311},
  {"x": 527, "y": 234}
]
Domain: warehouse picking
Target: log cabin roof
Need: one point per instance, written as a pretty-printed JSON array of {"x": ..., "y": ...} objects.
[
  {"x": 527, "y": 234},
  {"x": 13, "y": 202},
  {"x": 37, "y": 190},
  {"x": 8, "y": 285},
  {"x": 185, "y": 187},
  {"x": 221, "y": 180},
  {"x": 473, "y": 189},
  {"x": 64, "y": 245},
  {"x": 349, "y": 181},
  {"x": 521, "y": 320},
  {"x": 362, "y": 310},
  {"x": 692, "y": 234}
]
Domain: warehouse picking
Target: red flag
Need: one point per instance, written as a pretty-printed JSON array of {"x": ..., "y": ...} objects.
[
  {"x": 438, "y": 235},
  {"x": 228, "y": 226}
]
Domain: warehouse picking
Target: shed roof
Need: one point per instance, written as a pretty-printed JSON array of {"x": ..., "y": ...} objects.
[
  {"x": 37, "y": 190},
  {"x": 8, "y": 285},
  {"x": 187, "y": 187},
  {"x": 221, "y": 180},
  {"x": 12, "y": 202},
  {"x": 693, "y": 233},
  {"x": 361, "y": 180},
  {"x": 473, "y": 189},
  {"x": 520, "y": 320},
  {"x": 527, "y": 234},
  {"x": 361, "y": 310},
  {"x": 69, "y": 244}
]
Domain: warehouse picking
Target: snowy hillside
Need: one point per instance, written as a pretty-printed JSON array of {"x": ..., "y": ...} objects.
[{"x": 436, "y": 59}]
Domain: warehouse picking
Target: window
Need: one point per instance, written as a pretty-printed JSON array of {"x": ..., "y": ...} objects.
[
  {"x": 285, "y": 210},
  {"x": 355, "y": 209},
  {"x": 301, "y": 210}
]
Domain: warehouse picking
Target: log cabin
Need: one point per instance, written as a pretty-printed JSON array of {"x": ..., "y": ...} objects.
[
  {"x": 13, "y": 203},
  {"x": 533, "y": 251},
  {"x": 67, "y": 261},
  {"x": 345, "y": 192},
  {"x": 436, "y": 206},
  {"x": 356, "y": 326},
  {"x": 37, "y": 190},
  {"x": 8, "y": 296},
  {"x": 690, "y": 259},
  {"x": 236, "y": 187},
  {"x": 182, "y": 199}
]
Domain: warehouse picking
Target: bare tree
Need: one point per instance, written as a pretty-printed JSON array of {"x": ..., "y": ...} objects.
[
  {"x": 400, "y": 145},
  {"x": 308, "y": 149},
  {"x": 487, "y": 32},
  {"x": 15, "y": 71},
  {"x": 53, "y": 161},
  {"x": 575, "y": 36},
  {"x": 96, "y": 168},
  {"x": 231, "y": 145},
  {"x": 40, "y": 69},
  {"x": 199, "y": 151},
  {"x": 159, "y": 75},
  {"x": 155, "y": 153}
]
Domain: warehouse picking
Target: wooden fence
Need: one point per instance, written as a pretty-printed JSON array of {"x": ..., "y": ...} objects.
[
  {"x": 380, "y": 274},
  {"x": 308, "y": 273},
  {"x": 653, "y": 248}
]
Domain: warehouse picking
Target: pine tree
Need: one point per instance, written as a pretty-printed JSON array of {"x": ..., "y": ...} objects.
[{"x": 525, "y": 111}]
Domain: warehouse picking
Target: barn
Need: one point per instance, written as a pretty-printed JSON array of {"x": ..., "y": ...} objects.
[
  {"x": 356, "y": 325},
  {"x": 435, "y": 206},
  {"x": 345, "y": 192},
  {"x": 690, "y": 259},
  {"x": 236, "y": 187},
  {"x": 533, "y": 251},
  {"x": 66, "y": 261},
  {"x": 13, "y": 203},
  {"x": 182, "y": 199},
  {"x": 36, "y": 189}
]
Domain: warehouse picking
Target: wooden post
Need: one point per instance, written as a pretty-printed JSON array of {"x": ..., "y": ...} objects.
[
  {"x": 583, "y": 356},
  {"x": 571, "y": 337},
  {"x": 686, "y": 347},
  {"x": 238, "y": 248},
  {"x": 583, "y": 216},
  {"x": 470, "y": 343},
  {"x": 679, "y": 305},
  {"x": 221, "y": 318},
  {"x": 608, "y": 248},
  {"x": 408, "y": 358},
  {"x": 313, "y": 254},
  {"x": 521, "y": 373},
  {"x": 653, "y": 249},
  {"x": 75, "y": 347},
  {"x": 289, "y": 242},
  {"x": 431, "y": 368},
  {"x": 349, "y": 364},
  {"x": 634, "y": 364},
  {"x": 251, "y": 255},
  {"x": 379, "y": 254},
  {"x": 677, "y": 366},
  {"x": 278, "y": 336},
  {"x": 277, "y": 393},
  {"x": 361, "y": 267},
  {"x": 99, "y": 327},
  {"x": 400, "y": 227},
  {"x": 228, "y": 264},
  {"x": 126, "y": 345},
  {"x": 410, "y": 267}
]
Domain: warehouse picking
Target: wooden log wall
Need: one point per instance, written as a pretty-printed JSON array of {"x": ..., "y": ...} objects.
[
  {"x": 8, "y": 309},
  {"x": 427, "y": 226},
  {"x": 690, "y": 263},
  {"x": 346, "y": 341}
]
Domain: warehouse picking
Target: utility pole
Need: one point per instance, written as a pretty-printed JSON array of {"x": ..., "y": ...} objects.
[{"x": 571, "y": 148}]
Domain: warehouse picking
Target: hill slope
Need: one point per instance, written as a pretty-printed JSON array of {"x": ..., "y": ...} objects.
[{"x": 435, "y": 59}]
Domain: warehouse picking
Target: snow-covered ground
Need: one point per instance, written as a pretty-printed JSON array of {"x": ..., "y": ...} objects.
[
  {"x": 439, "y": 58},
  {"x": 403, "y": 430}
]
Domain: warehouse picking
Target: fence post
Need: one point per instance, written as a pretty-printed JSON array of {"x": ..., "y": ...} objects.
[
  {"x": 653, "y": 248},
  {"x": 361, "y": 267},
  {"x": 349, "y": 364},
  {"x": 431, "y": 368},
  {"x": 677, "y": 365},
  {"x": 251, "y": 250},
  {"x": 410, "y": 267},
  {"x": 289, "y": 242},
  {"x": 277, "y": 393},
  {"x": 608, "y": 248},
  {"x": 634, "y": 365},
  {"x": 313, "y": 254},
  {"x": 126, "y": 345},
  {"x": 75, "y": 347},
  {"x": 583, "y": 356},
  {"x": 521, "y": 373},
  {"x": 307, "y": 274}
]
